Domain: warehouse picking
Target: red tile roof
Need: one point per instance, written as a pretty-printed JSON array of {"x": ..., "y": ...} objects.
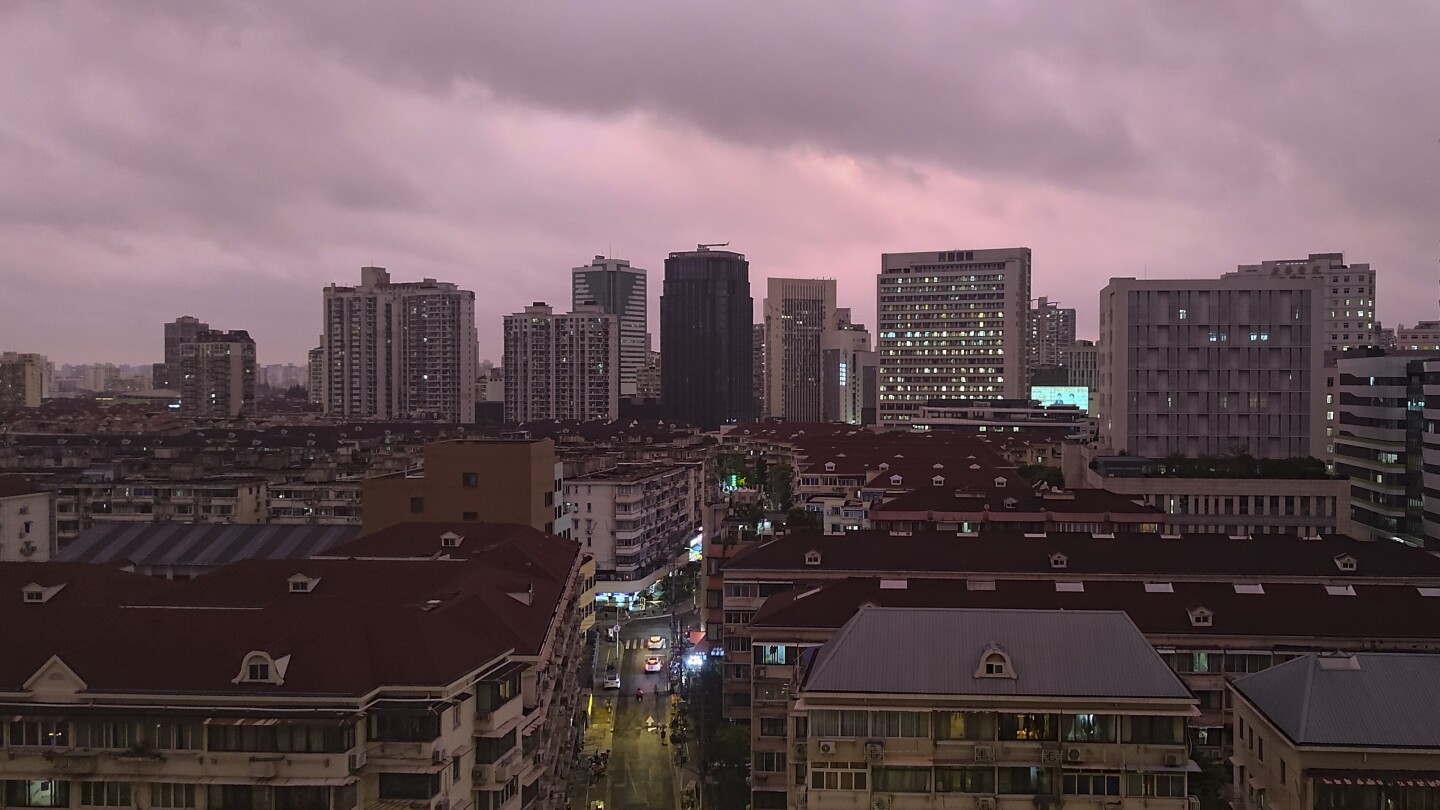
[{"x": 12, "y": 485}]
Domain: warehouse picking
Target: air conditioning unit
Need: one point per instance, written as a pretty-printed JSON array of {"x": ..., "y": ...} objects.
[
  {"x": 27, "y": 548},
  {"x": 1074, "y": 755},
  {"x": 874, "y": 751},
  {"x": 1172, "y": 760},
  {"x": 826, "y": 746},
  {"x": 984, "y": 803},
  {"x": 438, "y": 755},
  {"x": 356, "y": 760},
  {"x": 880, "y": 803},
  {"x": 1050, "y": 756},
  {"x": 984, "y": 753},
  {"x": 762, "y": 672}
]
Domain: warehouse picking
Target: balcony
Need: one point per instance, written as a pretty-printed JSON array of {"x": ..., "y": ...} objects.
[{"x": 497, "y": 773}]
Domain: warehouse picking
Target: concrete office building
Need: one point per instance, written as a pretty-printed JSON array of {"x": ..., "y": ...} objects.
[
  {"x": 27, "y": 521},
  {"x": 953, "y": 325},
  {"x": 217, "y": 375},
  {"x": 474, "y": 480},
  {"x": 399, "y": 350},
  {"x": 1052, "y": 333},
  {"x": 315, "y": 376},
  {"x": 1351, "y": 730},
  {"x": 1015, "y": 709},
  {"x": 562, "y": 366},
  {"x": 26, "y": 380},
  {"x": 797, "y": 312},
  {"x": 166, "y": 375},
  {"x": 847, "y": 363},
  {"x": 1423, "y": 336},
  {"x": 1348, "y": 295},
  {"x": 1379, "y": 443},
  {"x": 757, "y": 365},
  {"x": 1209, "y": 367},
  {"x": 706, "y": 333},
  {"x": 1082, "y": 364},
  {"x": 647, "y": 383},
  {"x": 618, "y": 289}
]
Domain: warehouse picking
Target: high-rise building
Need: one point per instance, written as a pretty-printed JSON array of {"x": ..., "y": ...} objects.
[
  {"x": 757, "y": 365},
  {"x": 1213, "y": 366},
  {"x": 620, "y": 290},
  {"x": 25, "y": 379},
  {"x": 1052, "y": 333},
  {"x": 183, "y": 329},
  {"x": 1348, "y": 297},
  {"x": 315, "y": 383},
  {"x": 647, "y": 384},
  {"x": 953, "y": 325},
  {"x": 562, "y": 366},
  {"x": 1083, "y": 366},
  {"x": 217, "y": 374},
  {"x": 846, "y": 360},
  {"x": 706, "y": 332},
  {"x": 797, "y": 311},
  {"x": 399, "y": 350}
]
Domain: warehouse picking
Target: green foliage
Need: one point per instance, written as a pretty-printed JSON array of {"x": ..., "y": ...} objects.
[
  {"x": 1206, "y": 785},
  {"x": 1035, "y": 473},
  {"x": 731, "y": 745},
  {"x": 801, "y": 518},
  {"x": 1243, "y": 465},
  {"x": 779, "y": 481}
]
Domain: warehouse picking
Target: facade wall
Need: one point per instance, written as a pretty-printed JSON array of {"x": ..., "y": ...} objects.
[
  {"x": 27, "y": 527},
  {"x": 79, "y": 504},
  {"x": 845, "y": 355},
  {"x": 562, "y": 366},
  {"x": 797, "y": 313},
  {"x": 25, "y": 380},
  {"x": 473, "y": 480},
  {"x": 1348, "y": 295},
  {"x": 636, "y": 520},
  {"x": 217, "y": 375},
  {"x": 953, "y": 325},
  {"x": 1052, "y": 333},
  {"x": 706, "y": 332},
  {"x": 1211, "y": 367},
  {"x": 620, "y": 290}
]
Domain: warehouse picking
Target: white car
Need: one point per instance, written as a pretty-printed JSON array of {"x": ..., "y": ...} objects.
[
  {"x": 655, "y": 643},
  {"x": 612, "y": 681},
  {"x": 653, "y": 664}
]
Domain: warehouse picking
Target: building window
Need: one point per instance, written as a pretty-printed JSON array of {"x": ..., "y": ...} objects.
[
  {"x": 1024, "y": 781},
  {"x": 1159, "y": 785},
  {"x": 417, "y": 505},
  {"x": 829, "y": 723},
  {"x": 900, "y": 724},
  {"x": 103, "y": 734},
  {"x": 902, "y": 780},
  {"x": 409, "y": 786},
  {"x": 1091, "y": 784},
  {"x": 37, "y": 793},
  {"x": 1028, "y": 727},
  {"x": 230, "y": 797},
  {"x": 172, "y": 795},
  {"x": 1092, "y": 728},
  {"x": 838, "y": 776},
  {"x": 772, "y": 727},
  {"x": 469, "y": 480},
  {"x": 105, "y": 794},
  {"x": 39, "y": 733},
  {"x": 1154, "y": 731},
  {"x": 964, "y": 780},
  {"x": 964, "y": 726},
  {"x": 770, "y": 761}
]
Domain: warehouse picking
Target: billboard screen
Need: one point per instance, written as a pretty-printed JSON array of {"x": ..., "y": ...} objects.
[{"x": 1077, "y": 395}]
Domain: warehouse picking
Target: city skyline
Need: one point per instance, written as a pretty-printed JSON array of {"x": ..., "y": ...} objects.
[{"x": 293, "y": 149}]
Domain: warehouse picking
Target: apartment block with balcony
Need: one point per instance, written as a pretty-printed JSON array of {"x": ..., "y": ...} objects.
[
  {"x": 27, "y": 521},
  {"x": 81, "y": 501},
  {"x": 637, "y": 520},
  {"x": 1348, "y": 730},
  {"x": 1012, "y": 710}
]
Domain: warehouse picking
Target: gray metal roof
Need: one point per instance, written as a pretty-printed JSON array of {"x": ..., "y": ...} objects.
[
  {"x": 937, "y": 651},
  {"x": 200, "y": 544},
  {"x": 1368, "y": 699}
]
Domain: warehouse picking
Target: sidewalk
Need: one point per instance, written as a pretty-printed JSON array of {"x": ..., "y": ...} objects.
[{"x": 599, "y": 736}]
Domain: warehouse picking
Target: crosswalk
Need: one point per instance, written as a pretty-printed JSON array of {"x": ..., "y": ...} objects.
[{"x": 636, "y": 644}]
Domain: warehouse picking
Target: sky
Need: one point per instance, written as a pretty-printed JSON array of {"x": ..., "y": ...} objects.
[{"x": 228, "y": 160}]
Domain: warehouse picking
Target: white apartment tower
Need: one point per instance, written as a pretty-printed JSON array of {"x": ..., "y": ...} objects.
[
  {"x": 846, "y": 359},
  {"x": 399, "y": 350},
  {"x": 1348, "y": 305},
  {"x": 618, "y": 289},
  {"x": 952, "y": 325},
  {"x": 1212, "y": 366},
  {"x": 797, "y": 312},
  {"x": 562, "y": 366}
]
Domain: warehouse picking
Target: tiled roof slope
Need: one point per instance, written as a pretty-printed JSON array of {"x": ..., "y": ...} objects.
[
  {"x": 200, "y": 544},
  {"x": 1053, "y": 653},
  {"x": 1385, "y": 700}
]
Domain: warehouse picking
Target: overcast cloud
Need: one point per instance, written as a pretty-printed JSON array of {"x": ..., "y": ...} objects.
[{"x": 229, "y": 160}]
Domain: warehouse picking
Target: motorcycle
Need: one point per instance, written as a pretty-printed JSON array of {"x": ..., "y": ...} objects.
[{"x": 639, "y": 694}]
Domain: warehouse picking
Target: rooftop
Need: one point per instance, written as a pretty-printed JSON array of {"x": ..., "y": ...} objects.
[
  {"x": 1049, "y": 654},
  {"x": 200, "y": 544},
  {"x": 13, "y": 485},
  {"x": 1384, "y": 700}
]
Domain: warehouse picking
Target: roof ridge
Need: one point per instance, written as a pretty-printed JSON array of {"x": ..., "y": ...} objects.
[{"x": 1304, "y": 725}]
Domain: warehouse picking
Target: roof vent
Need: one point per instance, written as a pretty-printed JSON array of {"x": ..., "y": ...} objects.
[
  {"x": 1340, "y": 590},
  {"x": 899, "y": 532},
  {"x": 937, "y": 466},
  {"x": 1159, "y": 587},
  {"x": 35, "y": 593},
  {"x": 894, "y": 584},
  {"x": 1171, "y": 536},
  {"x": 1347, "y": 563},
  {"x": 300, "y": 583},
  {"x": 979, "y": 584},
  {"x": 1249, "y": 588},
  {"x": 1312, "y": 537},
  {"x": 974, "y": 466},
  {"x": 1241, "y": 537},
  {"x": 812, "y": 557},
  {"x": 1337, "y": 660}
]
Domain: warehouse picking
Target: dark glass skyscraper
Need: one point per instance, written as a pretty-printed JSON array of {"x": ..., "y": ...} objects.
[{"x": 705, "y": 339}]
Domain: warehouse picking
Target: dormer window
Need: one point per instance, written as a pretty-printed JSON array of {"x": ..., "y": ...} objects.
[
  {"x": 1000, "y": 482},
  {"x": 1011, "y": 503},
  {"x": 1346, "y": 563},
  {"x": 995, "y": 663},
  {"x": 1058, "y": 560},
  {"x": 829, "y": 466},
  {"x": 259, "y": 667},
  {"x": 302, "y": 584},
  {"x": 1201, "y": 617},
  {"x": 36, "y": 594},
  {"x": 938, "y": 480},
  {"x": 896, "y": 480},
  {"x": 812, "y": 557},
  {"x": 451, "y": 540},
  {"x": 974, "y": 466},
  {"x": 884, "y": 465}
]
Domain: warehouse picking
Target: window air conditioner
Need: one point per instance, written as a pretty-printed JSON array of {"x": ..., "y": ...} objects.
[{"x": 826, "y": 747}]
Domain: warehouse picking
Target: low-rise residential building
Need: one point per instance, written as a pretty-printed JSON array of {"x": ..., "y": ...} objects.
[
  {"x": 1349, "y": 730},
  {"x": 98, "y": 495},
  {"x": 638, "y": 521},
  {"x": 1014, "y": 709},
  {"x": 27, "y": 521},
  {"x": 1005, "y": 416},
  {"x": 386, "y": 678},
  {"x": 305, "y": 502}
]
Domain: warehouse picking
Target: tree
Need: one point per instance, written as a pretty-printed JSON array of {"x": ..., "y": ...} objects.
[
  {"x": 801, "y": 518},
  {"x": 730, "y": 748},
  {"x": 779, "y": 481},
  {"x": 297, "y": 392},
  {"x": 1206, "y": 785},
  {"x": 1035, "y": 473}
]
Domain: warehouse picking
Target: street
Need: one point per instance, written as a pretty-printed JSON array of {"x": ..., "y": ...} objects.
[{"x": 640, "y": 773}]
